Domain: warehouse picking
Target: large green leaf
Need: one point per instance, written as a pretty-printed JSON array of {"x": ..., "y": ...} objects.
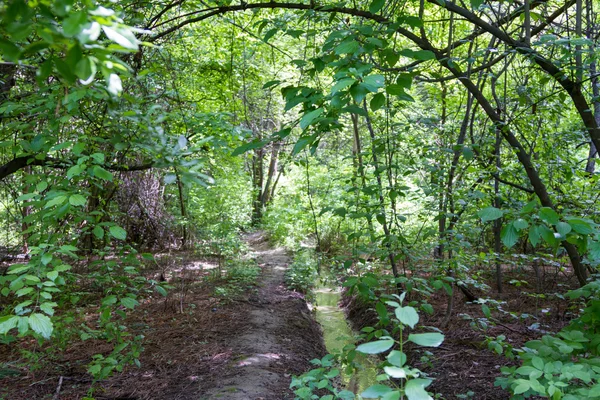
[
  {"x": 396, "y": 358},
  {"x": 415, "y": 389},
  {"x": 7, "y": 323},
  {"x": 342, "y": 84},
  {"x": 395, "y": 372},
  {"x": 509, "y": 235},
  {"x": 102, "y": 173},
  {"x": 430, "y": 339},
  {"x": 407, "y": 316},
  {"x": 77, "y": 200},
  {"x": 41, "y": 324},
  {"x": 375, "y": 392},
  {"x": 376, "y": 5},
  {"x": 348, "y": 46},
  {"x": 580, "y": 226},
  {"x": 377, "y": 101},
  {"x": 117, "y": 232},
  {"x": 490, "y": 214},
  {"x": 548, "y": 215},
  {"x": 376, "y": 347},
  {"x": 309, "y": 117}
]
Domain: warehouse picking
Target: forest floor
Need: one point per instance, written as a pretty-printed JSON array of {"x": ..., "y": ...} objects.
[
  {"x": 196, "y": 346},
  {"x": 463, "y": 367}
]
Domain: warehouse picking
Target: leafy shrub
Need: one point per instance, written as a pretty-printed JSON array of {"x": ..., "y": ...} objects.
[
  {"x": 562, "y": 366},
  {"x": 302, "y": 274}
]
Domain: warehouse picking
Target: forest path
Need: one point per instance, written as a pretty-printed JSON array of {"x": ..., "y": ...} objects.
[{"x": 278, "y": 337}]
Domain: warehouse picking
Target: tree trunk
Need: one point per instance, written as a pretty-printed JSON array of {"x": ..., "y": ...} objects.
[
  {"x": 184, "y": 238},
  {"x": 266, "y": 193}
]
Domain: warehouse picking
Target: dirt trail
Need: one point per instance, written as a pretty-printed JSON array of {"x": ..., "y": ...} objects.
[{"x": 277, "y": 339}]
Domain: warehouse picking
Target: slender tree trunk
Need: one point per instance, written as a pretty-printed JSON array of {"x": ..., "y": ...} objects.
[
  {"x": 359, "y": 165},
  {"x": 180, "y": 189},
  {"x": 257, "y": 184},
  {"x": 266, "y": 193},
  {"x": 384, "y": 222}
]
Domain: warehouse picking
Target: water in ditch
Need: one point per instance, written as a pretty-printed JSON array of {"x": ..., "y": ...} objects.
[{"x": 337, "y": 333}]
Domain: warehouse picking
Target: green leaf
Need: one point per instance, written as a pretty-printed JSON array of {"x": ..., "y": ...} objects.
[
  {"x": 302, "y": 143},
  {"x": 46, "y": 258},
  {"x": 396, "y": 358},
  {"x": 421, "y": 55},
  {"x": 376, "y": 5},
  {"x": 115, "y": 86},
  {"x": 489, "y": 214},
  {"x": 580, "y": 226},
  {"x": 270, "y": 33},
  {"x": 309, "y": 117},
  {"x": 98, "y": 231},
  {"x": 7, "y": 323},
  {"x": 117, "y": 232},
  {"x": 101, "y": 173},
  {"x": 563, "y": 228},
  {"x": 395, "y": 395},
  {"x": 520, "y": 223},
  {"x": 395, "y": 372},
  {"x": 415, "y": 389},
  {"x": 431, "y": 339},
  {"x": 77, "y": 200},
  {"x": 547, "y": 234},
  {"x": 376, "y": 347},
  {"x": 375, "y": 392},
  {"x": 74, "y": 23},
  {"x": 271, "y": 84},
  {"x": 40, "y": 187},
  {"x": 509, "y": 235},
  {"x": 407, "y": 316},
  {"x": 538, "y": 363},
  {"x": 56, "y": 201},
  {"x": 86, "y": 70},
  {"x": 594, "y": 250},
  {"x": 486, "y": 311},
  {"x": 128, "y": 302},
  {"x": 534, "y": 235},
  {"x": 108, "y": 300},
  {"x": 342, "y": 84},
  {"x": 75, "y": 170},
  {"x": 348, "y": 46},
  {"x": 121, "y": 36},
  {"x": 476, "y": 4},
  {"x": 48, "y": 307},
  {"x": 548, "y": 215},
  {"x": 255, "y": 144},
  {"x": 522, "y": 387},
  {"x": 41, "y": 324},
  {"x": 373, "y": 82},
  {"x": 377, "y": 101}
]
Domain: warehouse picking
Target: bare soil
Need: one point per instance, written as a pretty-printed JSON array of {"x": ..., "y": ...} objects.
[{"x": 196, "y": 346}]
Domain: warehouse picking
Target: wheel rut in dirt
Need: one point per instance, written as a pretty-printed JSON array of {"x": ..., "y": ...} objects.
[{"x": 277, "y": 339}]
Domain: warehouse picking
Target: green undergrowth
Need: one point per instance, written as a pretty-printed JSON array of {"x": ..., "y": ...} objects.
[
  {"x": 302, "y": 274},
  {"x": 240, "y": 277}
]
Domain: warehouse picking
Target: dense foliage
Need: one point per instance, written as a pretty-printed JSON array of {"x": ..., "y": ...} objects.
[{"x": 415, "y": 145}]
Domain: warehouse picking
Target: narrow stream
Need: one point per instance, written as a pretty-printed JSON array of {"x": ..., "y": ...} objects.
[{"x": 337, "y": 333}]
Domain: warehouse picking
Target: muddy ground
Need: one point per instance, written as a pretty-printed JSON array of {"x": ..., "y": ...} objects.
[{"x": 197, "y": 346}]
